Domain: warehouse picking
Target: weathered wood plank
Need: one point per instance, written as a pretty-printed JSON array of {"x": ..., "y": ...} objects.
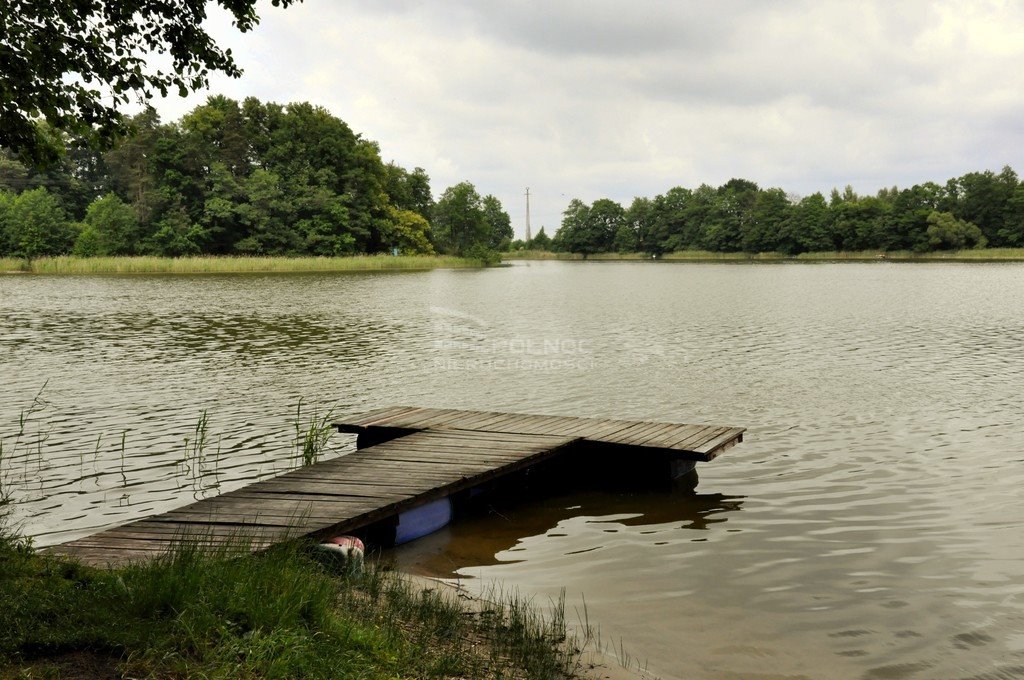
[
  {"x": 376, "y": 415},
  {"x": 473, "y": 420},
  {"x": 696, "y": 441},
  {"x": 356, "y": 423},
  {"x": 425, "y": 418},
  {"x": 686, "y": 437},
  {"x": 400, "y": 412},
  {"x": 646, "y": 434},
  {"x": 671, "y": 434},
  {"x": 628, "y": 435},
  {"x": 429, "y": 453},
  {"x": 555, "y": 425},
  {"x": 725, "y": 439},
  {"x": 494, "y": 422}
]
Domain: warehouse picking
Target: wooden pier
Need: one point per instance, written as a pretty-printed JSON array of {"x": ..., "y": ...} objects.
[{"x": 406, "y": 457}]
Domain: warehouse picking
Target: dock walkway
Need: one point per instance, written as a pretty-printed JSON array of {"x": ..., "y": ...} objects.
[
  {"x": 406, "y": 457},
  {"x": 687, "y": 442}
]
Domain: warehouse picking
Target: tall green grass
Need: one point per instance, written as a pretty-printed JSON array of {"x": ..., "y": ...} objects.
[
  {"x": 980, "y": 255},
  {"x": 972, "y": 255},
  {"x": 711, "y": 256},
  {"x": 224, "y": 612},
  {"x": 11, "y": 264},
  {"x": 539, "y": 255},
  {"x": 312, "y": 433},
  {"x": 19, "y": 445},
  {"x": 232, "y": 265}
]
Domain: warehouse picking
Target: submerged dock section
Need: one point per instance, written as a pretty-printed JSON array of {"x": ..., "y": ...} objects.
[{"x": 406, "y": 458}]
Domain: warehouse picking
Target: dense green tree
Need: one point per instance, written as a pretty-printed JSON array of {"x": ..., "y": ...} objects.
[
  {"x": 409, "y": 232},
  {"x": 73, "y": 62},
  {"x": 861, "y": 224},
  {"x": 73, "y": 181},
  {"x": 36, "y": 225},
  {"x": 459, "y": 220},
  {"x": 324, "y": 221},
  {"x": 422, "y": 201},
  {"x": 640, "y": 217},
  {"x": 409, "y": 190},
  {"x": 740, "y": 216},
  {"x": 946, "y": 232},
  {"x": 982, "y": 198},
  {"x": 499, "y": 224},
  {"x": 1012, "y": 233},
  {"x": 762, "y": 228},
  {"x": 540, "y": 241},
  {"x": 224, "y": 194},
  {"x": 271, "y": 179},
  {"x": 678, "y": 221},
  {"x": 110, "y": 228},
  {"x": 573, "y": 235},
  {"x": 625, "y": 240},
  {"x": 7, "y": 199},
  {"x": 265, "y": 217},
  {"x": 909, "y": 215},
  {"x": 723, "y": 211},
  {"x": 589, "y": 229},
  {"x": 729, "y": 210},
  {"x": 130, "y": 163},
  {"x": 216, "y": 134},
  {"x": 14, "y": 175},
  {"x": 605, "y": 219},
  {"x": 809, "y": 227},
  {"x": 175, "y": 234}
]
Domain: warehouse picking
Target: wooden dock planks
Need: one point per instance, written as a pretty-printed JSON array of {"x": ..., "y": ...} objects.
[
  {"x": 426, "y": 454},
  {"x": 330, "y": 497},
  {"x": 693, "y": 442}
]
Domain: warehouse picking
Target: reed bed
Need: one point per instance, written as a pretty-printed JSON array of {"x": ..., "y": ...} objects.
[
  {"x": 979, "y": 255},
  {"x": 710, "y": 256},
  {"x": 68, "y": 264},
  {"x": 539, "y": 255},
  {"x": 973, "y": 255}
]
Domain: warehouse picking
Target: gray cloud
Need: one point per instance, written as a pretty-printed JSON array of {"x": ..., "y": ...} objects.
[{"x": 597, "y": 98}]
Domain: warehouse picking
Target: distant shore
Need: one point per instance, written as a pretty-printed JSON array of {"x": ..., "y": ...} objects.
[
  {"x": 232, "y": 265},
  {"x": 210, "y": 264},
  {"x": 978, "y": 255}
]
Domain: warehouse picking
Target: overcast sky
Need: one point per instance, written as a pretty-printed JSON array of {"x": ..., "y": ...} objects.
[{"x": 590, "y": 99}]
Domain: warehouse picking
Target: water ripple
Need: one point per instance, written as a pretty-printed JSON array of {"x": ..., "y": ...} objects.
[{"x": 869, "y": 527}]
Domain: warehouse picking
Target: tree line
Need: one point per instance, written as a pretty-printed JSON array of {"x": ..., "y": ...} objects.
[
  {"x": 977, "y": 210},
  {"x": 230, "y": 178}
]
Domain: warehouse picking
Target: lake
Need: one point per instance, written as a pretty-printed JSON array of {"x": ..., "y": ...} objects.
[{"x": 870, "y": 526}]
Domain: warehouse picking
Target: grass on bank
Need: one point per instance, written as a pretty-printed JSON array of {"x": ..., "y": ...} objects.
[
  {"x": 978, "y": 255},
  {"x": 224, "y": 612},
  {"x": 228, "y": 265},
  {"x": 276, "y": 614}
]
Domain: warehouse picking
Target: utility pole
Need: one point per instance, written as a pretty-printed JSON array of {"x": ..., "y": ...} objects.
[{"x": 528, "y": 237}]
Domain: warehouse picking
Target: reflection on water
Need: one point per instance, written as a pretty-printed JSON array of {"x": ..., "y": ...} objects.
[
  {"x": 869, "y": 526},
  {"x": 569, "y": 522}
]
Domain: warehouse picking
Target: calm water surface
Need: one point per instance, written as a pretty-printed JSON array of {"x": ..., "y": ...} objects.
[{"x": 871, "y": 526}]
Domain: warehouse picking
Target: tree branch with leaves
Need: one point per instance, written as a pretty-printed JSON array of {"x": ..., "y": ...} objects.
[{"x": 72, "y": 63}]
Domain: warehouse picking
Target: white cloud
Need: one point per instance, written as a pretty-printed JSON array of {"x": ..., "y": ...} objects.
[{"x": 597, "y": 98}]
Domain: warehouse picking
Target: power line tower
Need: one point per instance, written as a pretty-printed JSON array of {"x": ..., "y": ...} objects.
[{"x": 528, "y": 237}]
